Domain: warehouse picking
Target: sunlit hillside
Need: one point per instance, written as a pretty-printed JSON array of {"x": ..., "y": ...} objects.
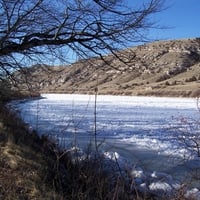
[{"x": 162, "y": 68}]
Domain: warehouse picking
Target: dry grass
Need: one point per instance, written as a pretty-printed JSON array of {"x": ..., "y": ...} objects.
[
  {"x": 154, "y": 65},
  {"x": 23, "y": 166},
  {"x": 34, "y": 168}
]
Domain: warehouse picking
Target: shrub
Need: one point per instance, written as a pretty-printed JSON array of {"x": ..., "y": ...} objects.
[
  {"x": 163, "y": 77},
  {"x": 173, "y": 82},
  {"x": 167, "y": 83},
  {"x": 195, "y": 93},
  {"x": 191, "y": 79}
]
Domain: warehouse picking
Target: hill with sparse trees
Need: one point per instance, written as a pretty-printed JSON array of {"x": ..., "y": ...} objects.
[{"x": 161, "y": 68}]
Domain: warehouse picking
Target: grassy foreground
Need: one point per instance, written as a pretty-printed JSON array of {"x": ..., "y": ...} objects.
[
  {"x": 32, "y": 167},
  {"x": 26, "y": 161}
]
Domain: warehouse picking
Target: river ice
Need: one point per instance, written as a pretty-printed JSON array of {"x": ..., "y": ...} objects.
[{"x": 142, "y": 130}]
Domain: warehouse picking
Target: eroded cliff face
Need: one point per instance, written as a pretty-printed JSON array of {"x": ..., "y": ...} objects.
[{"x": 162, "y": 68}]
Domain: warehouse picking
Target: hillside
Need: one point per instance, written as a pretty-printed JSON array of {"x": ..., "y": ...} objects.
[{"x": 162, "y": 68}]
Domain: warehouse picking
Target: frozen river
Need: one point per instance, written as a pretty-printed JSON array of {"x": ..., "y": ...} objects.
[{"x": 143, "y": 130}]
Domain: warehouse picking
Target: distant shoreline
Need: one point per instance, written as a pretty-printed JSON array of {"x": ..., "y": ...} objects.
[{"x": 179, "y": 94}]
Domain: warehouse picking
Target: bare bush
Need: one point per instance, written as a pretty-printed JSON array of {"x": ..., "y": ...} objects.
[
  {"x": 188, "y": 134},
  {"x": 195, "y": 93}
]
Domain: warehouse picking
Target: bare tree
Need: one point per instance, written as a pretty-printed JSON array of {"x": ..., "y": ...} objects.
[{"x": 37, "y": 30}]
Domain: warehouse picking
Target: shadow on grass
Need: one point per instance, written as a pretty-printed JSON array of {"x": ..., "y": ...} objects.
[{"x": 33, "y": 167}]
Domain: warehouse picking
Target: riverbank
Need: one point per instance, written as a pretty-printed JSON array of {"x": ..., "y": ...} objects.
[
  {"x": 83, "y": 173},
  {"x": 181, "y": 92},
  {"x": 26, "y": 161},
  {"x": 33, "y": 167}
]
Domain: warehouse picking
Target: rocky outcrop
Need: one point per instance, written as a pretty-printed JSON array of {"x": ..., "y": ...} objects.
[{"x": 163, "y": 68}]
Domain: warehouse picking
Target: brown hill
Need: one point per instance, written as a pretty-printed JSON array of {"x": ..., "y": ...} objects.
[{"x": 162, "y": 68}]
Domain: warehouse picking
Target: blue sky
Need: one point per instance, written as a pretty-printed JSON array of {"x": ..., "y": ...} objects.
[{"x": 182, "y": 17}]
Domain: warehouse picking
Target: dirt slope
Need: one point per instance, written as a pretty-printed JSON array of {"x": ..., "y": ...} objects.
[{"x": 162, "y": 68}]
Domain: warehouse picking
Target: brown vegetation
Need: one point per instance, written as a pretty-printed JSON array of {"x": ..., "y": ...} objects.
[
  {"x": 24, "y": 169},
  {"x": 163, "y": 68},
  {"x": 33, "y": 167}
]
